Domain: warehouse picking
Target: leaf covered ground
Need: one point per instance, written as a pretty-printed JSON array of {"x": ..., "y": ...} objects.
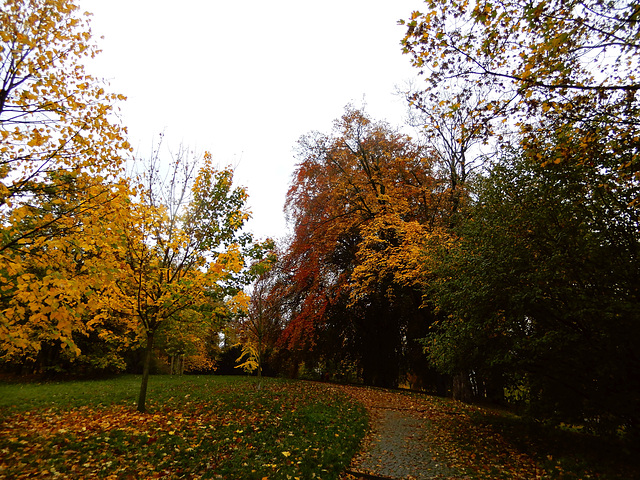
[
  {"x": 442, "y": 438},
  {"x": 222, "y": 427},
  {"x": 197, "y": 427}
]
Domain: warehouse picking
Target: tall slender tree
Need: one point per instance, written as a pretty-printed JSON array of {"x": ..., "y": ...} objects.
[{"x": 184, "y": 242}]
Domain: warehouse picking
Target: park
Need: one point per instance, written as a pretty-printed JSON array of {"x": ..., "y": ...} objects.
[{"x": 456, "y": 296}]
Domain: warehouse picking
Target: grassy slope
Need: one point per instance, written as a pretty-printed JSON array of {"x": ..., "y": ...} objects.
[
  {"x": 221, "y": 427},
  {"x": 197, "y": 427}
]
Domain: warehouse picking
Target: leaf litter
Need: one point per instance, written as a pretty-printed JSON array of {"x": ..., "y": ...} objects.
[
  {"x": 416, "y": 437},
  {"x": 288, "y": 430}
]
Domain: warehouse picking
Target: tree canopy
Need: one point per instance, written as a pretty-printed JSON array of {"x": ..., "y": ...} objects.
[
  {"x": 93, "y": 260},
  {"x": 546, "y": 66},
  {"x": 60, "y": 179},
  {"x": 537, "y": 293},
  {"x": 542, "y": 291},
  {"x": 363, "y": 201}
]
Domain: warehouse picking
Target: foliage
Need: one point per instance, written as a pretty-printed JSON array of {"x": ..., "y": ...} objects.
[
  {"x": 363, "y": 201},
  {"x": 542, "y": 291},
  {"x": 258, "y": 326},
  {"x": 60, "y": 193},
  {"x": 200, "y": 427},
  {"x": 184, "y": 339},
  {"x": 570, "y": 62},
  {"x": 182, "y": 248},
  {"x": 54, "y": 297},
  {"x": 547, "y": 266},
  {"x": 56, "y": 130},
  {"x": 249, "y": 359}
]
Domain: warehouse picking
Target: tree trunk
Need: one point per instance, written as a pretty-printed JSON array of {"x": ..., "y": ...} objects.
[
  {"x": 259, "y": 363},
  {"x": 142, "y": 398},
  {"x": 462, "y": 387}
]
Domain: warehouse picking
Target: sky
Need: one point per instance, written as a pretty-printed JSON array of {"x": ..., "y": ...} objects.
[{"x": 244, "y": 79}]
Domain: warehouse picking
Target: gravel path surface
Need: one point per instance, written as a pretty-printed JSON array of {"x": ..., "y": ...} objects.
[
  {"x": 398, "y": 445},
  {"x": 400, "y": 448}
]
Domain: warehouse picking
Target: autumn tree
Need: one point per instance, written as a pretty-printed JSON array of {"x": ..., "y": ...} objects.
[
  {"x": 362, "y": 202},
  {"x": 185, "y": 337},
  {"x": 55, "y": 126},
  {"x": 183, "y": 247},
  {"x": 453, "y": 125},
  {"x": 60, "y": 187},
  {"x": 561, "y": 88},
  {"x": 549, "y": 64},
  {"x": 259, "y": 325},
  {"x": 55, "y": 306}
]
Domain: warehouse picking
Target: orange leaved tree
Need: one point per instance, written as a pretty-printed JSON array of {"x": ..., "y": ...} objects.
[{"x": 364, "y": 202}]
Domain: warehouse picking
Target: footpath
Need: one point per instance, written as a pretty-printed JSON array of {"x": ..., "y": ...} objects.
[
  {"x": 422, "y": 437},
  {"x": 399, "y": 443}
]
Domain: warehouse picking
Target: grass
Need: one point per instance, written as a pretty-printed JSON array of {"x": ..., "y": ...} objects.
[
  {"x": 197, "y": 427},
  {"x": 222, "y": 427}
]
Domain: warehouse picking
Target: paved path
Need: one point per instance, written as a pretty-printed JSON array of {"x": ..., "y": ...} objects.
[{"x": 398, "y": 445}]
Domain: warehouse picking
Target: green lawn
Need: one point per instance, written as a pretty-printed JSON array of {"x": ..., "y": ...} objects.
[{"x": 197, "y": 427}]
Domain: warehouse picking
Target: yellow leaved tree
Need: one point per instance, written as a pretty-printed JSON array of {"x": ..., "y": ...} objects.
[
  {"x": 259, "y": 321},
  {"x": 60, "y": 179},
  {"x": 56, "y": 132},
  {"x": 561, "y": 69},
  {"x": 183, "y": 248}
]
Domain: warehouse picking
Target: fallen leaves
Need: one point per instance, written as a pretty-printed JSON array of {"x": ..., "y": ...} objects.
[
  {"x": 457, "y": 446},
  {"x": 287, "y": 430}
]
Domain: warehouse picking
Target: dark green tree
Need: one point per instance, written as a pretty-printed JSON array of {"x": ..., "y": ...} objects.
[{"x": 542, "y": 290}]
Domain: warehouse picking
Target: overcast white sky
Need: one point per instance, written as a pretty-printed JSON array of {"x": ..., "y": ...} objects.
[{"x": 244, "y": 79}]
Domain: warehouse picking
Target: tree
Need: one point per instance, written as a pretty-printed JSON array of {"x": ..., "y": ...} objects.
[
  {"x": 183, "y": 247},
  {"x": 260, "y": 323},
  {"x": 60, "y": 165},
  {"x": 567, "y": 62},
  {"x": 456, "y": 130},
  {"x": 542, "y": 291},
  {"x": 56, "y": 298},
  {"x": 54, "y": 118},
  {"x": 184, "y": 338},
  {"x": 362, "y": 202},
  {"x": 560, "y": 78}
]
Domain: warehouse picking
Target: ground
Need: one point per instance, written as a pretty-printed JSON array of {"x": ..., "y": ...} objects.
[{"x": 408, "y": 440}]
